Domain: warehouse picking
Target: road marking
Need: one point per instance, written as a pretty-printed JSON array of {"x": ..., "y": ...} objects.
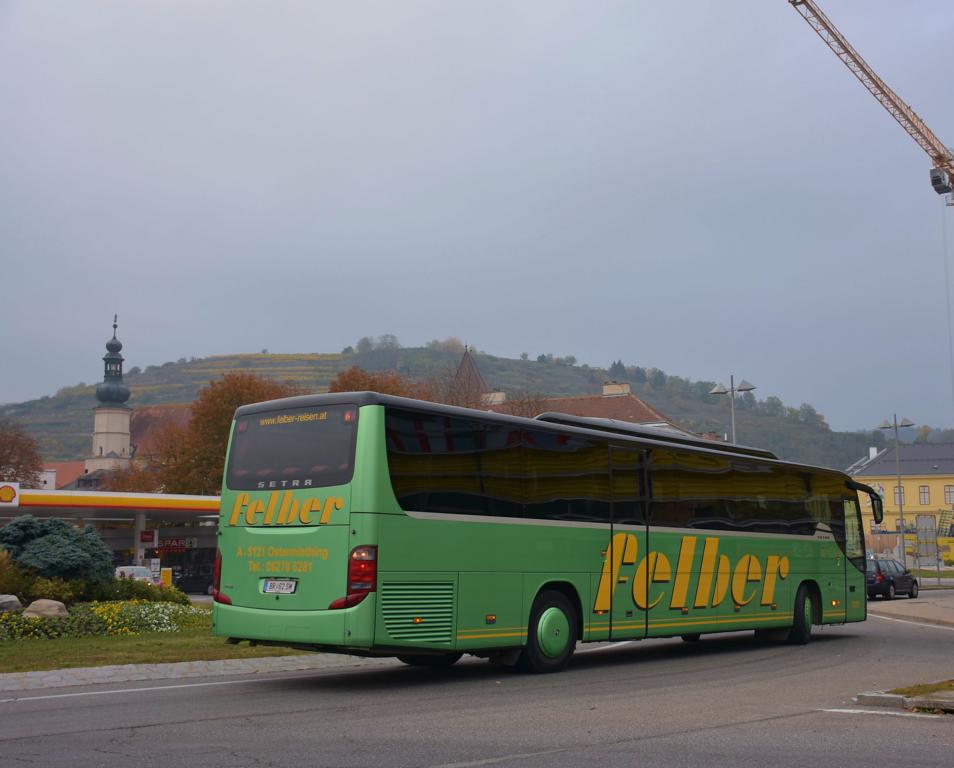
[
  {"x": 502, "y": 759},
  {"x": 137, "y": 690},
  {"x": 915, "y": 623},
  {"x": 876, "y": 712}
]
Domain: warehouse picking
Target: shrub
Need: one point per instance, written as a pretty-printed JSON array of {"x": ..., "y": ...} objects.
[
  {"x": 14, "y": 580},
  {"x": 131, "y": 589},
  {"x": 56, "y": 549},
  {"x": 66, "y": 592}
]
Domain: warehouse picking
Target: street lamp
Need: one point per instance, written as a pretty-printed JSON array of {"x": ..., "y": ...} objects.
[
  {"x": 897, "y": 465},
  {"x": 720, "y": 389}
]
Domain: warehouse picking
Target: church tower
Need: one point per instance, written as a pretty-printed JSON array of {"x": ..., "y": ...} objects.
[{"x": 111, "y": 447}]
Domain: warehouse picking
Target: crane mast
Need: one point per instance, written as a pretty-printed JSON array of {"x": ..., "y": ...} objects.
[{"x": 942, "y": 174}]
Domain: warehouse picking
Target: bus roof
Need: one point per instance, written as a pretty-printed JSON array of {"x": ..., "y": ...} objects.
[
  {"x": 654, "y": 433},
  {"x": 555, "y": 422}
]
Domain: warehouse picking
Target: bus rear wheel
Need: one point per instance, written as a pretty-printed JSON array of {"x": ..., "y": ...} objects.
[
  {"x": 801, "y": 631},
  {"x": 434, "y": 660},
  {"x": 551, "y": 636}
]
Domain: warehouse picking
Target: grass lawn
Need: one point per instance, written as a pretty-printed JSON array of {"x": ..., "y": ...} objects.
[
  {"x": 925, "y": 688},
  {"x": 188, "y": 645},
  {"x": 931, "y": 573}
]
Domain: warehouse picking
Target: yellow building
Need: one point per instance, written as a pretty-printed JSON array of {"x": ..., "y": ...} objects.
[{"x": 927, "y": 488}]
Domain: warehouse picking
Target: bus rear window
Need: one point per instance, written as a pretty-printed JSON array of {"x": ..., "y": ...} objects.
[{"x": 295, "y": 448}]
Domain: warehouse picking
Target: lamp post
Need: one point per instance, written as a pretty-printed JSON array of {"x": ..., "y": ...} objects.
[
  {"x": 720, "y": 389},
  {"x": 897, "y": 466}
]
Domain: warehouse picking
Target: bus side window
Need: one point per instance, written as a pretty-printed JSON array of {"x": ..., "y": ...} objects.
[{"x": 854, "y": 543}]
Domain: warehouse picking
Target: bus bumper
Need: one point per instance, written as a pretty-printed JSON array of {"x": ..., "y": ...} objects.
[{"x": 324, "y": 628}]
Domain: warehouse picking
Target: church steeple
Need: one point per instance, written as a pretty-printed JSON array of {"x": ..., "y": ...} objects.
[{"x": 112, "y": 391}]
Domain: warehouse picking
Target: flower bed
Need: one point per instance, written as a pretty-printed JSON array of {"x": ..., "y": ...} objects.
[{"x": 128, "y": 617}]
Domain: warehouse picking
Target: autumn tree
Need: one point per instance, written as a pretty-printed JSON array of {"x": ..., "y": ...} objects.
[
  {"x": 133, "y": 478},
  {"x": 191, "y": 459},
  {"x": 356, "y": 379},
  {"x": 526, "y": 404},
  {"x": 20, "y": 460}
]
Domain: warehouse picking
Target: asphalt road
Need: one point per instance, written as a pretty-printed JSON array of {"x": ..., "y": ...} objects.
[{"x": 725, "y": 701}]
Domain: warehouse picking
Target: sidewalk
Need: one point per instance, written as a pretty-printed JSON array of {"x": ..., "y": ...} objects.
[
  {"x": 125, "y": 673},
  {"x": 930, "y": 606}
]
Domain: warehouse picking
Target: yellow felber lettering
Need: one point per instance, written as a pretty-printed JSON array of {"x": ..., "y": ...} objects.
[
  {"x": 283, "y": 513},
  {"x": 623, "y": 548},
  {"x": 680, "y": 587},
  {"x": 270, "y": 512},
  {"x": 240, "y": 501},
  {"x": 704, "y": 588},
  {"x": 722, "y": 581},
  {"x": 659, "y": 570},
  {"x": 331, "y": 504},
  {"x": 747, "y": 570},
  {"x": 775, "y": 566},
  {"x": 307, "y": 506},
  {"x": 255, "y": 508}
]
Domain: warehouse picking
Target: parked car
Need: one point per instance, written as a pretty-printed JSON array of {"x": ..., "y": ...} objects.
[
  {"x": 887, "y": 577},
  {"x": 134, "y": 572},
  {"x": 196, "y": 581}
]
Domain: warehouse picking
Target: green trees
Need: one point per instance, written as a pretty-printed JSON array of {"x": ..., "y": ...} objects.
[{"x": 55, "y": 549}]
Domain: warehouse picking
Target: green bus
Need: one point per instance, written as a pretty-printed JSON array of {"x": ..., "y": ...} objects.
[{"x": 375, "y": 525}]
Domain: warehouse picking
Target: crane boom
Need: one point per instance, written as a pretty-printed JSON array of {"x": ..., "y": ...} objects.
[{"x": 940, "y": 155}]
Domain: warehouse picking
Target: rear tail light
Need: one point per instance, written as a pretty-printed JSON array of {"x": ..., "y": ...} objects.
[
  {"x": 879, "y": 578},
  {"x": 217, "y": 594},
  {"x": 362, "y": 576}
]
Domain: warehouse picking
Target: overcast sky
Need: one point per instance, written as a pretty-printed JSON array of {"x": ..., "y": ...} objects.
[{"x": 696, "y": 186}]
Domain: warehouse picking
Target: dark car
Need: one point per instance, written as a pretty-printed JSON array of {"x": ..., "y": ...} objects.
[
  {"x": 196, "y": 580},
  {"x": 888, "y": 578}
]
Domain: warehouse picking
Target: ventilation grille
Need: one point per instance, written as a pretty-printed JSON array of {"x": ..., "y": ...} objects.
[{"x": 422, "y": 611}]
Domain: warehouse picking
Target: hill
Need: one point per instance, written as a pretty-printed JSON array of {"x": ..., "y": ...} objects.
[{"x": 62, "y": 423}]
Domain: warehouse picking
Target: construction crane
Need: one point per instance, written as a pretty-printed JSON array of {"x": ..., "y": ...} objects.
[{"x": 942, "y": 172}]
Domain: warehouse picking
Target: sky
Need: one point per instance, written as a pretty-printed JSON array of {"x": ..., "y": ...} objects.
[{"x": 695, "y": 186}]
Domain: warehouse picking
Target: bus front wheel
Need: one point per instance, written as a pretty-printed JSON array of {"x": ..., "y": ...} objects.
[
  {"x": 551, "y": 635},
  {"x": 433, "y": 660},
  {"x": 801, "y": 631}
]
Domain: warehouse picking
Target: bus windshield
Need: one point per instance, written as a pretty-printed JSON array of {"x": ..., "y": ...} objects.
[{"x": 293, "y": 448}]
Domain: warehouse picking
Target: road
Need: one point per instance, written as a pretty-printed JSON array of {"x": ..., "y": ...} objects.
[{"x": 725, "y": 701}]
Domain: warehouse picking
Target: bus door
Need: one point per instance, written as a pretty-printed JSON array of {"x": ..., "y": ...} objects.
[
  {"x": 855, "y": 587},
  {"x": 629, "y": 538}
]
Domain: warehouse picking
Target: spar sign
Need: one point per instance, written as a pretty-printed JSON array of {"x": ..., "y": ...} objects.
[{"x": 9, "y": 494}]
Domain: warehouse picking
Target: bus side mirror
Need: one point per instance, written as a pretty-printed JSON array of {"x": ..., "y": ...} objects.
[{"x": 877, "y": 508}]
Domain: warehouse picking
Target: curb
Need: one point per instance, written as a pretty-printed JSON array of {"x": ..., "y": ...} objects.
[
  {"x": 127, "y": 673},
  {"x": 897, "y": 701},
  {"x": 909, "y": 617},
  {"x": 879, "y": 699}
]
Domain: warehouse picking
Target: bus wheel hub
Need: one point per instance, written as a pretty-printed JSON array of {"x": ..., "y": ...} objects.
[{"x": 552, "y": 631}]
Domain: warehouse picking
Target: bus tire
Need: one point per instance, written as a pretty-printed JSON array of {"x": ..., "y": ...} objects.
[
  {"x": 434, "y": 660},
  {"x": 801, "y": 631},
  {"x": 551, "y": 635},
  {"x": 691, "y": 638}
]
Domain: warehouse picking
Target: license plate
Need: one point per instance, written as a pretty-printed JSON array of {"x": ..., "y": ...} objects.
[{"x": 280, "y": 586}]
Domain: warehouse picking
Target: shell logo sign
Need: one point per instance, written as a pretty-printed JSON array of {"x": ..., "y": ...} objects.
[{"x": 10, "y": 494}]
